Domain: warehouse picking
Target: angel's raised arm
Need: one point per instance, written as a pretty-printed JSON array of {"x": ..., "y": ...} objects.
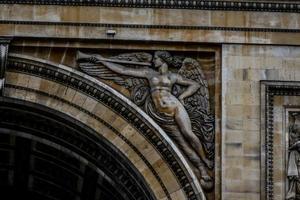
[
  {"x": 192, "y": 86},
  {"x": 143, "y": 72}
]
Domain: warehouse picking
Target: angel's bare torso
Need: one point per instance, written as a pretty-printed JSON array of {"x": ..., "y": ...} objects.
[{"x": 161, "y": 87}]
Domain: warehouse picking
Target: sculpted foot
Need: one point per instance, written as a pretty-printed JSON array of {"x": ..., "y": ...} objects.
[
  {"x": 209, "y": 163},
  {"x": 206, "y": 181}
]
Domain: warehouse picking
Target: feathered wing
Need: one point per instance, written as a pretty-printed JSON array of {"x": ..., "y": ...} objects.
[
  {"x": 198, "y": 106},
  {"x": 137, "y": 86},
  {"x": 102, "y": 72}
]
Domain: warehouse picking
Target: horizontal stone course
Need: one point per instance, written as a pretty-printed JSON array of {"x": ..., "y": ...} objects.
[{"x": 149, "y": 24}]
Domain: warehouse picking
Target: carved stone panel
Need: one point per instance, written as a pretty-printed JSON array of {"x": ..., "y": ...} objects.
[
  {"x": 175, "y": 90},
  {"x": 279, "y": 139}
]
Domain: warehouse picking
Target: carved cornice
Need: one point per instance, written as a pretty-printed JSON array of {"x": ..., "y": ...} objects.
[
  {"x": 112, "y": 101},
  {"x": 150, "y": 26},
  {"x": 270, "y": 89},
  {"x": 262, "y": 6}
]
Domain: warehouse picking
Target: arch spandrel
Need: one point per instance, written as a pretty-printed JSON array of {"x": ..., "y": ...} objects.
[{"x": 162, "y": 157}]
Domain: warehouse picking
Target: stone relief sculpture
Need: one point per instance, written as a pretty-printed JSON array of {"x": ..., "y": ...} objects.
[
  {"x": 293, "y": 164},
  {"x": 175, "y": 96}
]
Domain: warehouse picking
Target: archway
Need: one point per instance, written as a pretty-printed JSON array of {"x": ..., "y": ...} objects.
[
  {"x": 109, "y": 114},
  {"x": 49, "y": 155}
]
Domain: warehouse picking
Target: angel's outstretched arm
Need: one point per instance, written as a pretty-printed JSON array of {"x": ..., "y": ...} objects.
[
  {"x": 143, "y": 72},
  {"x": 193, "y": 86}
]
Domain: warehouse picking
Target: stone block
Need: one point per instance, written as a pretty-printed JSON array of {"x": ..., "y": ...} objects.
[
  {"x": 234, "y": 161},
  {"x": 119, "y": 123},
  {"x": 234, "y": 136},
  {"x": 251, "y": 174},
  {"x": 251, "y": 111},
  {"x": 11, "y": 78},
  {"x": 20, "y": 12},
  {"x": 178, "y": 195},
  {"x": 234, "y": 124},
  {"x": 30, "y": 96},
  {"x": 79, "y": 98},
  {"x": 233, "y": 149},
  {"x": 47, "y": 13},
  {"x": 163, "y": 170},
  {"x": 233, "y": 173},
  {"x": 34, "y": 83},
  {"x": 154, "y": 183},
  {"x": 251, "y": 125},
  {"x": 7, "y": 29},
  {"x": 251, "y": 162}
]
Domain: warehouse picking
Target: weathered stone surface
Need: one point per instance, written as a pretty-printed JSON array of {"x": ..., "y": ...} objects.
[{"x": 243, "y": 67}]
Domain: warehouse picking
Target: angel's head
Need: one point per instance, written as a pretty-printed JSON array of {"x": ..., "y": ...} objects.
[{"x": 161, "y": 60}]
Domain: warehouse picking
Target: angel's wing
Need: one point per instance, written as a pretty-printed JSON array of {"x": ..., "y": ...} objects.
[
  {"x": 198, "y": 106},
  {"x": 102, "y": 72},
  {"x": 137, "y": 86}
]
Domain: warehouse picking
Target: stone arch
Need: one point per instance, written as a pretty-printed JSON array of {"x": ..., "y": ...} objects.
[
  {"x": 111, "y": 115},
  {"x": 56, "y": 156}
]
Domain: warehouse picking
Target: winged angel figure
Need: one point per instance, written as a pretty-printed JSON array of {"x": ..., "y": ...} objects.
[{"x": 179, "y": 102}]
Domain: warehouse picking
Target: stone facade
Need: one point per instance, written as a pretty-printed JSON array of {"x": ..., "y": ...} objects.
[
  {"x": 248, "y": 52},
  {"x": 243, "y": 68}
]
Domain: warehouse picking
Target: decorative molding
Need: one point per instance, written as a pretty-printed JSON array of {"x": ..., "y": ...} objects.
[
  {"x": 4, "y": 43},
  {"x": 261, "y": 6},
  {"x": 270, "y": 89},
  {"x": 78, "y": 81},
  {"x": 150, "y": 26}
]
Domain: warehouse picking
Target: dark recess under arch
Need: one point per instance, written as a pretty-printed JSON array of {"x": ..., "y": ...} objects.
[{"x": 45, "y": 154}]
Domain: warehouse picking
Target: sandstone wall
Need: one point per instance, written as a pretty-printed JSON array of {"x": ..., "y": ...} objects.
[{"x": 243, "y": 66}]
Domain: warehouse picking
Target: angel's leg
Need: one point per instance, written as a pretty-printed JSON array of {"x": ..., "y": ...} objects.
[
  {"x": 184, "y": 124},
  {"x": 186, "y": 148},
  {"x": 205, "y": 180}
]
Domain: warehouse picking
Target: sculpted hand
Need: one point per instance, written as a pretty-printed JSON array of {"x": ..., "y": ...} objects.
[{"x": 95, "y": 58}]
